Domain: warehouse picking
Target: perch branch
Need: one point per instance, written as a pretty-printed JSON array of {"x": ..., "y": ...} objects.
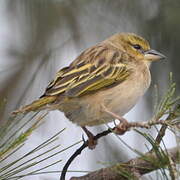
[
  {"x": 129, "y": 125},
  {"x": 79, "y": 150}
]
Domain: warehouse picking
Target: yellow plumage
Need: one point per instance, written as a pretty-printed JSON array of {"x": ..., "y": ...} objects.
[{"x": 36, "y": 105}]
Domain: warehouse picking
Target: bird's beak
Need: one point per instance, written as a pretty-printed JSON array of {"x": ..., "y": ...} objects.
[{"x": 153, "y": 55}]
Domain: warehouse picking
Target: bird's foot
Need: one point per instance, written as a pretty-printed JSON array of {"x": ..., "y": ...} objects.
[
  {"x": 91, "y": 141},
  {"x": 122, "y": 127}
]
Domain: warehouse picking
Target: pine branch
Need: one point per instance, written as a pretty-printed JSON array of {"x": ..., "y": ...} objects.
[
  {"x": 120, "y": 130},
  {"x": 140, "y": 165}
]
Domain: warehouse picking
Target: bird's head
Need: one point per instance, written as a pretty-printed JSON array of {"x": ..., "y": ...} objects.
[{"x": 135, "y": 46}]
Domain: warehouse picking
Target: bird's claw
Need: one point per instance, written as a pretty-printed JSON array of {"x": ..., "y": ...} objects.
[
  {"x": 121, "y": 128},
  {"x": 92, "y": 143}
]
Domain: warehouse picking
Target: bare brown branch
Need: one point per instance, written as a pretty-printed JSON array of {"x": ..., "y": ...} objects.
[
  {"x": 163, "y": 128},
  {"x": 139, "y": 165}
]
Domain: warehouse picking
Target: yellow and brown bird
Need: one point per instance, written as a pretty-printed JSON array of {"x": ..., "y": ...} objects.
[{"x": 114, "y": 74}]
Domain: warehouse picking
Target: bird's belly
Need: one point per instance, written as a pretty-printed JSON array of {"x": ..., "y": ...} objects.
[{"x": 88, "y": 110}]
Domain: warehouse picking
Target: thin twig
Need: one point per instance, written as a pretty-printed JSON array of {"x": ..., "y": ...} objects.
[
  {"x": 172, "y": 169},
  {"x": 161, "y": 133},
  {"x": 79, "y": 150}
]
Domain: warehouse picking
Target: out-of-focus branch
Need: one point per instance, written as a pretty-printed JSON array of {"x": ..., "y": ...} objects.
[{"x": 139, "y": 165}]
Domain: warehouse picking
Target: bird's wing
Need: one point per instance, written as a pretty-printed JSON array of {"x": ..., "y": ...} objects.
[{"x": 96, "y": 68}]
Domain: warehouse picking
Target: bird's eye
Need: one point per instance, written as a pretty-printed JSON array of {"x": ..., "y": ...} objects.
[{"x": 137, "y": 46}]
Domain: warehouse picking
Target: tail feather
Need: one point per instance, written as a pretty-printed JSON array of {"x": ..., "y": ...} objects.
[{"x": 35, "y": 105}]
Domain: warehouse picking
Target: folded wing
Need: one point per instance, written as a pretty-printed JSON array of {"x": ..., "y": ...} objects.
[{"x": 96, "y": 68}]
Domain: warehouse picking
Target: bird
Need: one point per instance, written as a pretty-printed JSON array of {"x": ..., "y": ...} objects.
[{"x": 114, "y": 74}]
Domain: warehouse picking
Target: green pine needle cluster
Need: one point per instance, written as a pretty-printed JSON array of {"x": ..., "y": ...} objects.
[{"x": 13, "y": 136}]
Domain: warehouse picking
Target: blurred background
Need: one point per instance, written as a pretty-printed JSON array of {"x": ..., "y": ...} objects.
[{"x": 38, "y": 37}]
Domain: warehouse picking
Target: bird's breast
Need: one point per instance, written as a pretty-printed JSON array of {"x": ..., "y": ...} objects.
[{"x": 121, "y": 98}]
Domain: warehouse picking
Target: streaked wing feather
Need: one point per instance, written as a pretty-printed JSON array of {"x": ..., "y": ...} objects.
[
  {"x": 109, "y": 76},
  {"x": 57, "y": 77},
  {"x": 89, "y": 73}
]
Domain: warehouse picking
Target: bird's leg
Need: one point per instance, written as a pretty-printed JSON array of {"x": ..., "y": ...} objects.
[
  {"x": 91, "y": 142},
  {"x": 123, "y": 126}
]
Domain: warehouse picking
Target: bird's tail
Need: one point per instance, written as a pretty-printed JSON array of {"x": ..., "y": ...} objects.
[{"x": 35, "y": 105}]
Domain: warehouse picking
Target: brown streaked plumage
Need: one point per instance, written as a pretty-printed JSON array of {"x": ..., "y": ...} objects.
[{"x": 114, "y": 73}]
